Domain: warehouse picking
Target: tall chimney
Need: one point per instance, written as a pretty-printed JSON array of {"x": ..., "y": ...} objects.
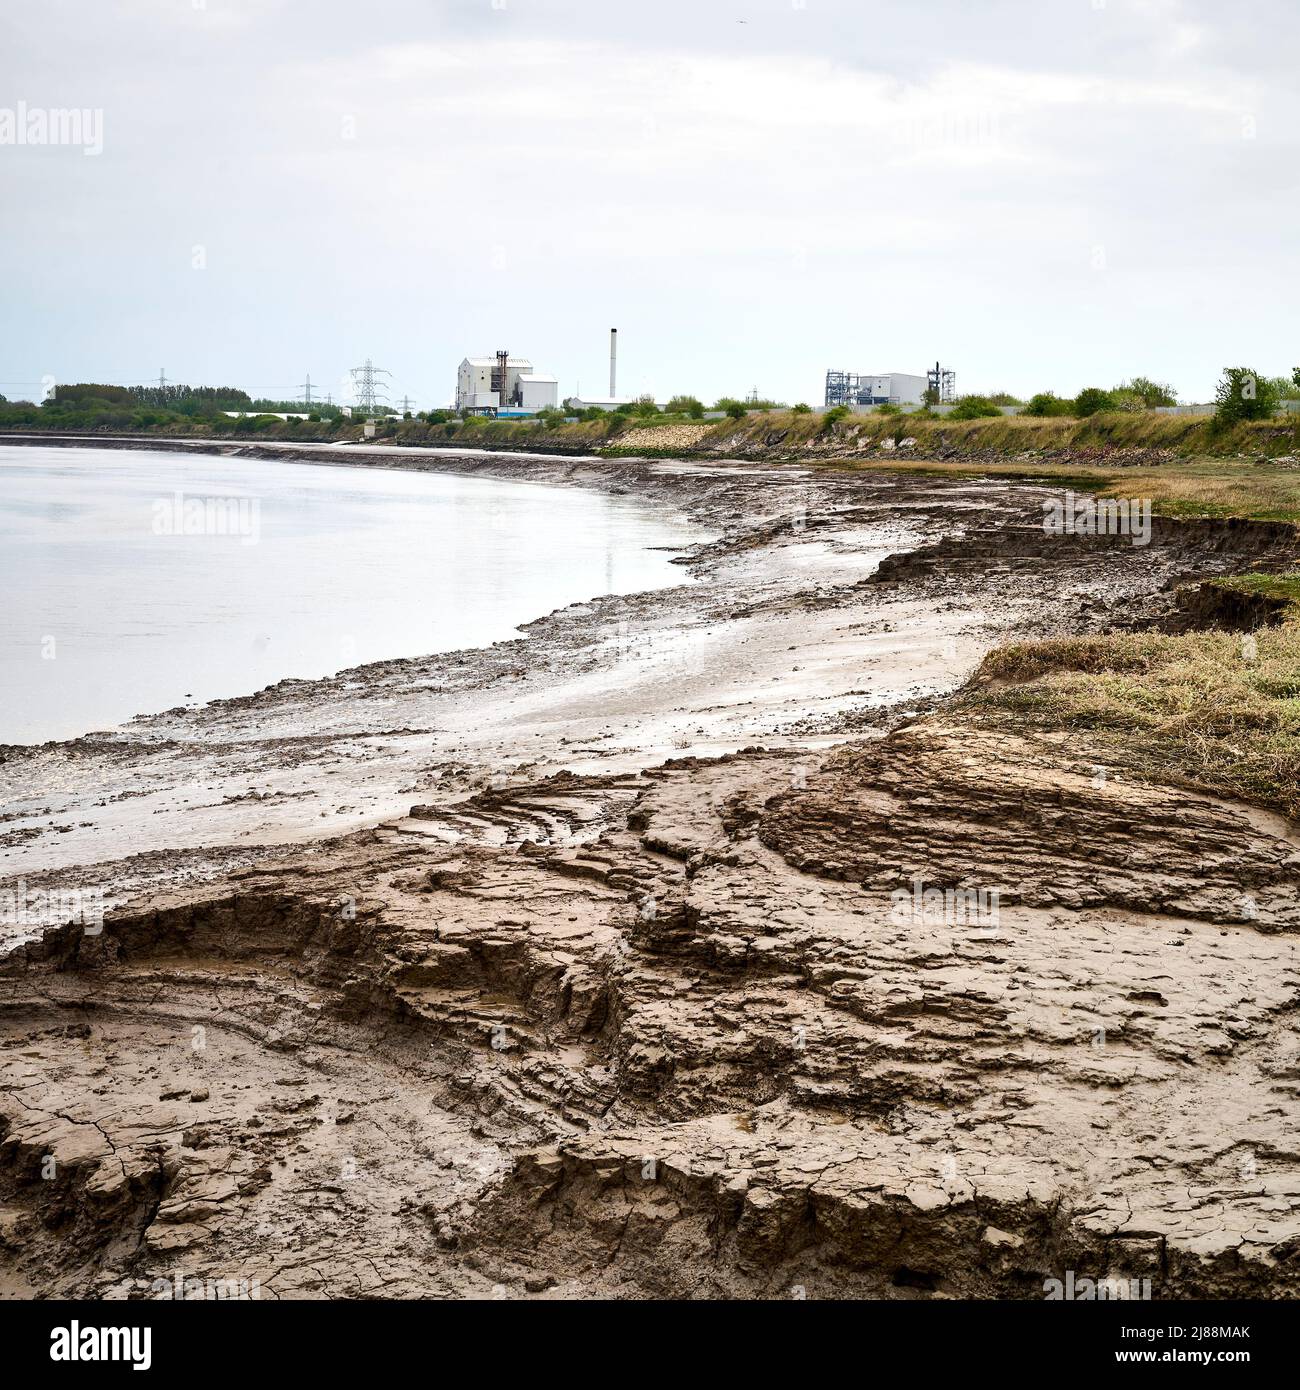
[{"x": 613, "y": 362}]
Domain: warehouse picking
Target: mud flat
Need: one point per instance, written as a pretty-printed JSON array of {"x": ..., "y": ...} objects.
[{"x": 609, "y": 962}]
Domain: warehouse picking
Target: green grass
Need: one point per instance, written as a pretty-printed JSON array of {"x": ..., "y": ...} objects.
[{"x": 1285, "y": 587}]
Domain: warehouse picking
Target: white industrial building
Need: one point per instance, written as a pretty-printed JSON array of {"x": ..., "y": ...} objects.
[
  {"x": 505, "y": 385},
  {"x": 889, "y": 388}
]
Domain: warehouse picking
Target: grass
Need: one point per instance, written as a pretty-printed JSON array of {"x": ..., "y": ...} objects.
[
  {"x": 1177, "y": 487},
  {"x": 1285, "y": 587},
  {"x": 1183, "y": 464},
  {"x": 1186, "y": 435},
  {"x": 1217, "y": 711}
]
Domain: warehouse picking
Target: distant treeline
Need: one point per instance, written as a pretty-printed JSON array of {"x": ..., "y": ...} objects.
[{"x": 185, "y": 400}]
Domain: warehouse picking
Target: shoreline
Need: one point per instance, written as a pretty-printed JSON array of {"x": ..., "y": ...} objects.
[
  {"x": 786, "y": 551},
  {"x": 790, "y": 572},
  {"x": 463, "y": 467}
]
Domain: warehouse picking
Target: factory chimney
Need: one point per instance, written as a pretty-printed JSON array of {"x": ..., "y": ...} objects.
[{"x": 613, "y": 362}]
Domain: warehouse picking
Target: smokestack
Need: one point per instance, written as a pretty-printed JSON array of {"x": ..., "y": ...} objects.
[{"x": 613, "y": 362}]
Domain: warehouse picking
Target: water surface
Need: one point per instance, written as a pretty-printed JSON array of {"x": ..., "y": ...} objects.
[{"x": 135, "y": 581}]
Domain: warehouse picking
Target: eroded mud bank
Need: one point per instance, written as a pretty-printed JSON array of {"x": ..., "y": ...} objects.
[{"x": 617, "y": 1002}]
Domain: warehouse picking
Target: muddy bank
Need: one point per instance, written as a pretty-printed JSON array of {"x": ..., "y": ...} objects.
[
  {"x": 710, "y": 1045},
  {"x": 684, "y": 946}
]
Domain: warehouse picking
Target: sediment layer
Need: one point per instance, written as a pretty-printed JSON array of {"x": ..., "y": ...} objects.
[{"x": 730, "y": 1044}]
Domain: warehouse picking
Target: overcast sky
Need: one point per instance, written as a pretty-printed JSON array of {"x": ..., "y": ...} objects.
[{"x": 1042, "y": 193}]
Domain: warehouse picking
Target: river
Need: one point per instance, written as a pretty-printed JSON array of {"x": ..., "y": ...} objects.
[{"x": 135, "y": 581}]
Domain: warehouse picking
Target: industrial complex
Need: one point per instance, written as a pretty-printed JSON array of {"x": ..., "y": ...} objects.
[
  {"x": 892, "y": 388},
  {"x": 503, "y": 385}
]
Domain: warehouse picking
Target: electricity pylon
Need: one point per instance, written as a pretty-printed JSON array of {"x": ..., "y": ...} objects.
[{"x": 368, "y": 392}]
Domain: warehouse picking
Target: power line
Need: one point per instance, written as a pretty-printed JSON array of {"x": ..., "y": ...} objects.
[{"x": 305, "y": 388}]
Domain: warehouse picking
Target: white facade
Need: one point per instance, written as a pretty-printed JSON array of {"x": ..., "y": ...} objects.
[
  {"x": 538, "y": 391},
  {"x": 525, "y": 389},
  {"x": 895, "y": 388}
]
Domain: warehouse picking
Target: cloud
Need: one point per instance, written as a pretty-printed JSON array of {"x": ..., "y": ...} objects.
[{"x": 1045, "y": 195}]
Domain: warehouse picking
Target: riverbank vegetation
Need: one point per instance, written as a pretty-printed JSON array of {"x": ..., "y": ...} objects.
[{"x": 1214, "y": 710}]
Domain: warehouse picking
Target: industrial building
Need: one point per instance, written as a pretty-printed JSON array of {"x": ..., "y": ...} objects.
[
  {"x": 503, "y": 385},
  {"x": 891, "y": 388}
]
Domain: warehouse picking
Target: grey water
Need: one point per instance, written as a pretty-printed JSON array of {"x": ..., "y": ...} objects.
[{"x": 134, "y": 581}]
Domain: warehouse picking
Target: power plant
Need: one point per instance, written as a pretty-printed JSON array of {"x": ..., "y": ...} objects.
[{"x": 503, "y": 385}]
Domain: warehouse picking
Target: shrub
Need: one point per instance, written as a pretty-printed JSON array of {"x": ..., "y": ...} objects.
[
  {"x": 803, "y": 408},
  {"x": 685, "y": 405},
  {"x": 1091, "y": 400},
  {"x": 973, "y": 408},
  {"x": 735, "y": 410},
  {"x": 1244, "y": 395},
  {"x": 1150, "y": 393},
  {"x": 1047, "y": 403},
  {"x": 833, "y": 416}
]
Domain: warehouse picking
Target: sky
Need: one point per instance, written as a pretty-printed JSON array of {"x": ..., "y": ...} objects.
[{"x": 1042, "y": 194}]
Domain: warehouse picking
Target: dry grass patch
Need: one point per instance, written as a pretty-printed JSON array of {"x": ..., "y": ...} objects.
[{"x": 1219, "y": 711}]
